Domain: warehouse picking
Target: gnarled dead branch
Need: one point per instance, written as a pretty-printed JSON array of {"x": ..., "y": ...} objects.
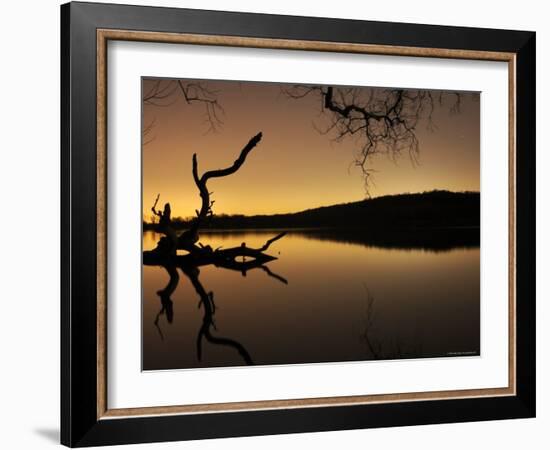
[
  {"x": 198, "y": 254},
  {"x": 189, "y": 238}
]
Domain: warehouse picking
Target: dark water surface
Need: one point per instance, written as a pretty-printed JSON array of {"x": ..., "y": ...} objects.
[{"x": 327, "y": 298}]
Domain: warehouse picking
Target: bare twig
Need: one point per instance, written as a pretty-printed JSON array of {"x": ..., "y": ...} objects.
[{"x": 162, "y": 93}]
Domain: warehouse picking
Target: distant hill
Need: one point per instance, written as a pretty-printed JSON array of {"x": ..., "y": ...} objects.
[{"x": 427, "y": 210}]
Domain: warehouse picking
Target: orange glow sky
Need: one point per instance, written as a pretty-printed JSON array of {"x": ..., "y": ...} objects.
[{"x": 294, "y": 167}]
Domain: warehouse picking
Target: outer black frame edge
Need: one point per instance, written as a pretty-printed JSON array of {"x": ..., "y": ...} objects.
[
  {"x": 79, "y": 426},
  {"x": 525, "y": 222},
  {"x": 65, "y": 228}
]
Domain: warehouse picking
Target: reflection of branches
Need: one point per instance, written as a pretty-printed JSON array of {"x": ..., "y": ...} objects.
[
  {"x": 379, "y": 120},
  {"x": 189, "y": 264},
  {"x": 165, "y": 300},
  {"x": 274, "y": 275},
  {"x": 207, "y": 302},
  {"x": 376, "y": 349},
  {"x": 373, "y": 347}
]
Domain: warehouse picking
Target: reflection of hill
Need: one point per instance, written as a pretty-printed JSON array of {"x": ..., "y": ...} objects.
[
  {"x": 438, "y": 239},
  {"x": 436, "y": 209},
  {"x": 435, "y": 239}
]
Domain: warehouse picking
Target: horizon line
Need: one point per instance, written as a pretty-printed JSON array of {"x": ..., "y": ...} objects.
[{"x": 188, "y": 218}]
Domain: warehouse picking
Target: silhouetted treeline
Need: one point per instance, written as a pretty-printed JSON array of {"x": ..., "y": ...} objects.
[{"x": 435, "y": 209}]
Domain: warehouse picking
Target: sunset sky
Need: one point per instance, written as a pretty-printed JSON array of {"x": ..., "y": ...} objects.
[{"x": 294, "y": 167}]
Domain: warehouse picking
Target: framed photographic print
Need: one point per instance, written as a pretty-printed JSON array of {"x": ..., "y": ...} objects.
[{"x": 277, "y": 224}]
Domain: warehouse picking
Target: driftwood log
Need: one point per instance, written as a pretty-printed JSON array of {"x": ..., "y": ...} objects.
[
  {"x": 165, "y": 254},
  {"x": 225, "y": 258}
]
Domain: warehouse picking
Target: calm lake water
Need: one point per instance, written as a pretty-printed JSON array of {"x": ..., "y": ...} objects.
[{"x": 327, "y": 298}]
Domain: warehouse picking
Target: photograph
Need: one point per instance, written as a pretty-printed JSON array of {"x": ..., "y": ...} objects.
[
  {"x": 302, "y": 224},
  {"x": 288, "y": 222}
]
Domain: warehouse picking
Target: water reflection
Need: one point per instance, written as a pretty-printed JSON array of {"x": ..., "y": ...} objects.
[
  {"x": 206, "y": 299},
  {"x": 166, "y": 302},
  {"x": 346, "y": 301},
  {"x": 206, "y": 302},
  {"x": 392, "y": 348},
  {"x": 434, "y": 240},
  {"x": 209, "y": 307}
]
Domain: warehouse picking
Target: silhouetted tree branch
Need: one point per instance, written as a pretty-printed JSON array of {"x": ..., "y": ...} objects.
[
  {"x": 147, "y": 132},
  {"x": 270, "y": 241},
  {"x": 381, "y": 121},
  {"x": 168, "y": 244},
  {"x": 163, "y": 93},
  {"x": 160, "y": 93},
  {"x": 199, "y": 93},
  {"x": 199, "y": 254},
  {"x": 188, "y": 239}
]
